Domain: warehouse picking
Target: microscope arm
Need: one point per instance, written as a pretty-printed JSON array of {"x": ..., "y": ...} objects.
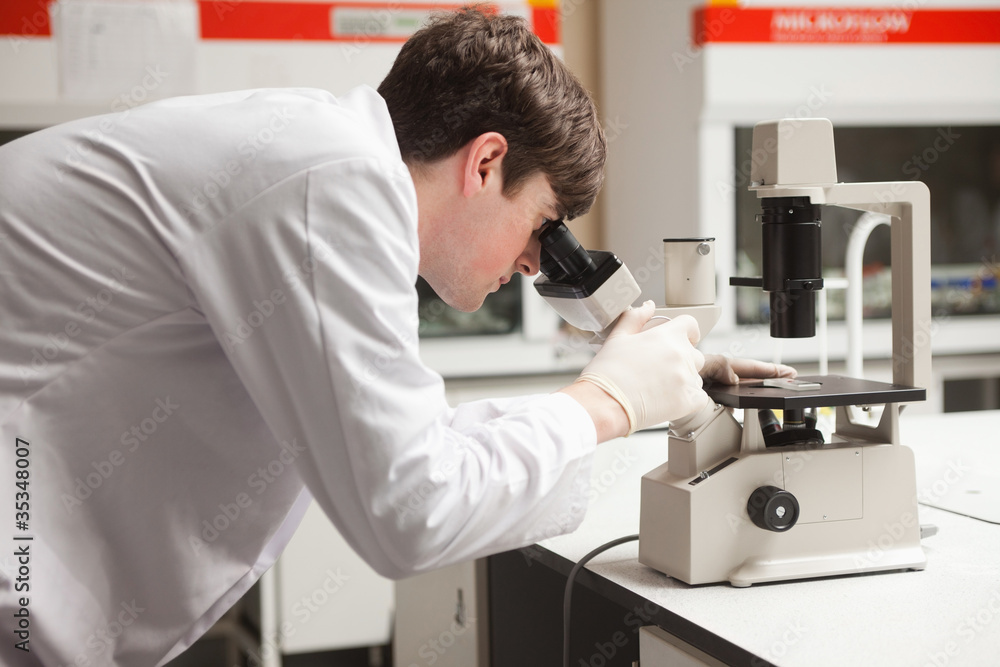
[{"x": 908, "y": 203}]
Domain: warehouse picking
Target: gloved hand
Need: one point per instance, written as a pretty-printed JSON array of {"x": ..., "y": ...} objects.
[
  {"x": 727, "y": 370},
  {"x": 651, "y": 373}
]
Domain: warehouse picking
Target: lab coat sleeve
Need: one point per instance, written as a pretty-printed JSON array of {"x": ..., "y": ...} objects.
[{"x": 310, "y": 290}]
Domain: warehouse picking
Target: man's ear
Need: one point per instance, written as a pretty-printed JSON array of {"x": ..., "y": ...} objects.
[{"x": 484, "y": 156}]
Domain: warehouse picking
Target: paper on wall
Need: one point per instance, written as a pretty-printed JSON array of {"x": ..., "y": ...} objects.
[{"x": 125, "y": 52}]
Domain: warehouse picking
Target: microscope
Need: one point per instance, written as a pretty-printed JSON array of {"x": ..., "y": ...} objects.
[
  {"x": 591, "y": 288},
  {"x": 774, "y": 500}
]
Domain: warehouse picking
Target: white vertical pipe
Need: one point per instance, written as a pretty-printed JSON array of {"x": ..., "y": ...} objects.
[
  {"x": 853, "y": 268},
  {"x": 269, "y": 622}
]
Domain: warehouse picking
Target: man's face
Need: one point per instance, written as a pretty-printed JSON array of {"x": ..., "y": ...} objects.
[{"x": 491, "y": 239}]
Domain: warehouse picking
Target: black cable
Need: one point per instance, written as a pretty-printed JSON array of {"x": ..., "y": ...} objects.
[
  {"x": 568, "y": 595},
  {"x": 950, "y": 511}
]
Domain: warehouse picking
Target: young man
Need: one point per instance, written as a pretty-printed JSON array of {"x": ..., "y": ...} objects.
[{"x": 210, "y": 318}]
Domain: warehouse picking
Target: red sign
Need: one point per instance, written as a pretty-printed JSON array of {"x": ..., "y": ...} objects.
[
  {"x": 27, "y": 18},
  {"x": 275, "y": 20},
  {"x": 845, "y": 25}
]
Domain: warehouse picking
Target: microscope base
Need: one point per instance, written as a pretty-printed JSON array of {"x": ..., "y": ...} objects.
[
  {"x": 760, "y": 570},
  {"x": 857, "y": 513}
]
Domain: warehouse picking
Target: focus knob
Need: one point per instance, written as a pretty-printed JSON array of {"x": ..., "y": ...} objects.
[{"x": 773, "y": 509}]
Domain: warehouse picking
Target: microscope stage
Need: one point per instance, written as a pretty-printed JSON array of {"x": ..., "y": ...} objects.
[{"x": 833, "y": 390}]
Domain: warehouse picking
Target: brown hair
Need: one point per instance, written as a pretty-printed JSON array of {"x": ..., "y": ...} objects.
[{"x": 470, "y": 72}]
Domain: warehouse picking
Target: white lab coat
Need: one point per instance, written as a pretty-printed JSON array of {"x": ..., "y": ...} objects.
[{"x": 208, "y": 315}]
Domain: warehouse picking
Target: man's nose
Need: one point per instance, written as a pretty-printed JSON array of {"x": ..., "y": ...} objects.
[{"x": 529, "y": 260}]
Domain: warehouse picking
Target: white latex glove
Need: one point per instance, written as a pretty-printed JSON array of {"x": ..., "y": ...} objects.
[
  {"x": 651, "y": 373},
  {"x": 729, "y": 370}
]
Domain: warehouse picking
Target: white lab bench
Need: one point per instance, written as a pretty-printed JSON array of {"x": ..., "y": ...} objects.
[{"x": 948, "y": 614}]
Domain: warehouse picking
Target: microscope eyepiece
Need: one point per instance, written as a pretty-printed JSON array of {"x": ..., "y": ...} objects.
[
  {"x": 562, "y": 258},
  {"x": 589, "y": 288}
]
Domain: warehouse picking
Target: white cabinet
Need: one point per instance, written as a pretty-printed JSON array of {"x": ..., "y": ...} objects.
[
  {"x": 442, "y": 618},
  {"x": 320, "y": 595},
  {"x": 658, "y": 648}
]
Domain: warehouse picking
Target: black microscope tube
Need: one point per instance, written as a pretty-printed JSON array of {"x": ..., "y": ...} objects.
[{"x": 792, "y": 271}]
